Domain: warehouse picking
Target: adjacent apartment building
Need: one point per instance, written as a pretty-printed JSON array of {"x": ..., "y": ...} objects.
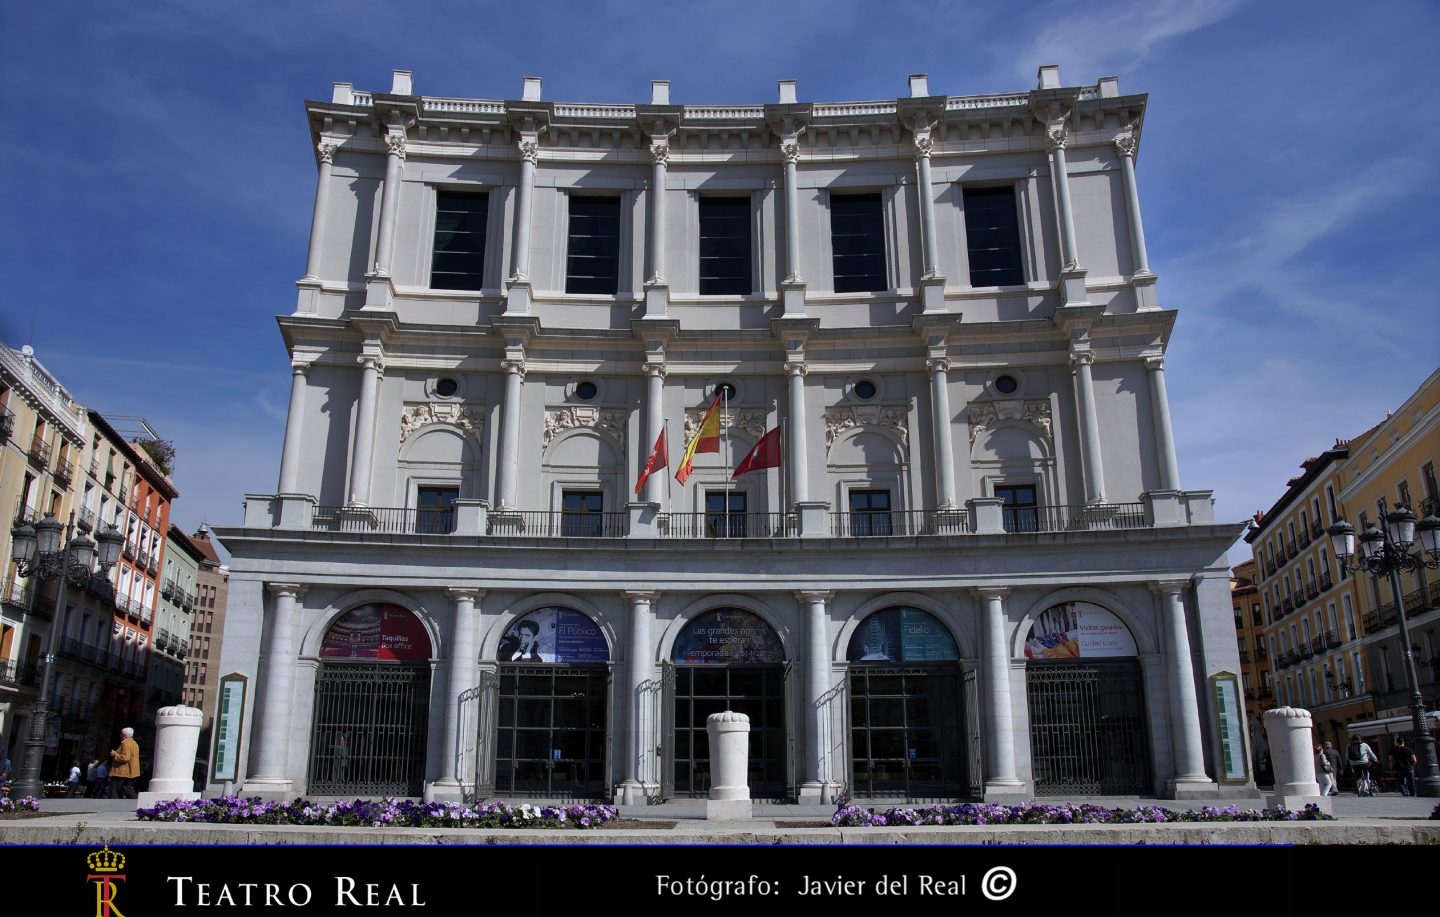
[{"x": 961, "y": 563}]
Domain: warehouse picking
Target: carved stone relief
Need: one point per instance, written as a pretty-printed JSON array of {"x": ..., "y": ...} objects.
[
  {"x": 460, "y": 416},
  {"x": 610, "y": 421},
  {"x": 750, "y": 421},
  {"x": 986, "y": 414},
  {"x": 889, "y": 416}
]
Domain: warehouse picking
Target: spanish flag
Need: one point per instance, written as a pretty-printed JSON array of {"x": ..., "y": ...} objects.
[{"x": 707, "y": 439}]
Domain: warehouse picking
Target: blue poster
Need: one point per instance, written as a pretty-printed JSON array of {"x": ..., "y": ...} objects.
[
  {"x": 728, "y": 635},
  {"x": 553, "y": 635},
  {"x": 902, "y": 635}
]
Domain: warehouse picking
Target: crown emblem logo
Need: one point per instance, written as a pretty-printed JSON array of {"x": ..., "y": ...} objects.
[{"x": 106, "y": 861}]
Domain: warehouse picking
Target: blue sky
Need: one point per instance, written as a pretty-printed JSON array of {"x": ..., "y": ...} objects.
[{"x": 156, "y": 183}]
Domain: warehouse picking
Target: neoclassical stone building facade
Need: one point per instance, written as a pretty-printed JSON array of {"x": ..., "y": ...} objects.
[{"x": 973, "y": 574}]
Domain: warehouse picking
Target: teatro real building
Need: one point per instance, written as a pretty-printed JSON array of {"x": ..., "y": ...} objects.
[{"x": 963, "y": 565}]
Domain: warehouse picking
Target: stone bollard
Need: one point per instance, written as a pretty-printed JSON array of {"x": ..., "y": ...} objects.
[
  {"x": 177, "y": 736},
  {"x": 1292, "y": 757},
  {"x": 729, "y": 765}
]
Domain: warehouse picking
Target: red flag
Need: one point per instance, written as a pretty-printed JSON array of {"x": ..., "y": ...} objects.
[
  {"x": 765, "y": 454},
  {"x": 706, "y": 439},
  {"x": 658, "y": 459}
]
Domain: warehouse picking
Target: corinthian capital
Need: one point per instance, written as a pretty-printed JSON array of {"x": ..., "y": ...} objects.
[
  {"x": 790, "y": 150},
  {"x": 325, "y": 149},
  {"x": 923, "y": 147},
  {"x": 660, "y": 152},
  {"x": 1055, "y": 138},
  {"x": 1125, "y": 145},
  {"x": 529, "y": 151},
  {"x": 395, "y": 144}
]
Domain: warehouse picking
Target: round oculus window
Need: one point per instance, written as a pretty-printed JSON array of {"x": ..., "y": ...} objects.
[
  {"x": 865, "y": 390},
  {"x": 1006, "y": 385},
  {"x": 586, "y": 390},
  {"x": 726, "y": 389},
  {"x": 446, "y": 387}
]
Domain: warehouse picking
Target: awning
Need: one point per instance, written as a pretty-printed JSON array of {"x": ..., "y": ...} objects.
[{"x": 1394, "y": 725}]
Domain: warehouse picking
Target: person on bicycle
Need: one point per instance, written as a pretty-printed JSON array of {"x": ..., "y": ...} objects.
[{"x": 1361, "y": 757}]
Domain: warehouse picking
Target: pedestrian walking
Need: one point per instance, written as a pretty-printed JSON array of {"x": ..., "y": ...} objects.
[
  {"x": 1324, "y": 771},
  {"x": 1402, "y": 762},
  {"x": 126, "y": 771},
  {"x": 1337, "y": 765}
]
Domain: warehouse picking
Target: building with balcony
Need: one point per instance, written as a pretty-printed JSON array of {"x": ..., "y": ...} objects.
[
  {"x": 1334, "y": 637},
  {"x": 1254, "y": 651},
  {"x": 207, "y": 625},
  {"x": 180, "y": 566},
  {"x": 973, "y": 573}
]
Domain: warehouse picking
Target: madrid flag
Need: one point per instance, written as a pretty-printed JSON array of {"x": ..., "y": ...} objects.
[
  {"x": 659, "y": 458},
  {"x": 707, "y": 439},
  {"x": 765, "y": 454}
]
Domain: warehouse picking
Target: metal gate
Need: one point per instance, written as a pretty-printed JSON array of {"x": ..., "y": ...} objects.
[
  {"x": 762, "y": 692},
  {"x": 552, "y": 738},
  {"x": 909, "y": 735},
  {"x": 370, "y": 729},
  {"x": 1087, "y": 729}
]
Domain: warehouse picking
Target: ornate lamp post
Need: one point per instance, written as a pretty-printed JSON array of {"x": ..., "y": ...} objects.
[
  {"x": 38, "y": 551},
  {"x": 1385, "y": 553}
]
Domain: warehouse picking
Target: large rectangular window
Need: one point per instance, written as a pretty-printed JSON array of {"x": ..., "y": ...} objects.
[
  {"x": 582, "y": 514},
  {"x": 435, "y": 510},
  {"x": 725, "y": 246},
  {"x": 1017, "y": 511},
  {"x": 593, "y": 264},
  {"x": 725, "y": 514},
  {"x": 870, "y": 512},
  {"x": 992, "y": 234},
  {"x": 857, "y": 241},
  {"x": 458, "y": 262}
]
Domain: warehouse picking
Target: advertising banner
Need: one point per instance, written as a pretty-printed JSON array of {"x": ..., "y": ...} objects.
[{"x": 1078, "y": 630}]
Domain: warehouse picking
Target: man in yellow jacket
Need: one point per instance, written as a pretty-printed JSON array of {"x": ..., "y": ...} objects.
[{"x": 125, "y": 769}]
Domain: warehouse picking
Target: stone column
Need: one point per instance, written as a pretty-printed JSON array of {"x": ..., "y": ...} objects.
[
  {"x": 816, "y": 785},
  {"x": 923, "y": 147},
  {"x": 1289, "y": 732},
  {"x": 795, "y": 435},
  {"x": 389, "y": 201},
  {"x": 464, "y": 675},
  {"x": 1001, "y": 777},
  {"x": 363, "y": 448},
  {"x": 729, "y": 734},
  {"x": 640, "y": 768},
  {"x": 1055, "y": 139},
  {"x": 660, "y": 157},
  {"x": 290, "y": 452},
  {"x": 654, "y": 424},
  {"x": 940, "y": 419},
  {"x": 1089, "y": 426},
  {"x": 520, "y": 255},
  {"x": 790, "y": 149},
  {"x": 1164, "y": 432},
  {"x": 270, "y": 736},
  {"x": 326, "y": 152},
  {"x": 1189, "y": 775},
  {"x": 510, "y": 435},
  {"x": 177, "y": 736},
  {"x": 1125, "y": 146}
]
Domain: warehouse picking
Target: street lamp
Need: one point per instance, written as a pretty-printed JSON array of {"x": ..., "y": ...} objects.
[
  {"x": 1385, "y": 553},
  {"x": 37, "y": 551}
]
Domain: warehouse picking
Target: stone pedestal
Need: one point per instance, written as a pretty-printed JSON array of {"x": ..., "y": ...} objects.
[
  {"x": 1292, "y": 755},
  {"x": 729, "y": 758},
  {"x": 177, "y": 736}
]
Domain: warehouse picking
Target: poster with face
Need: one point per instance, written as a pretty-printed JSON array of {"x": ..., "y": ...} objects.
[
  {"x": 1078, "y": 630},
  {"x": 553, "y": 635}
]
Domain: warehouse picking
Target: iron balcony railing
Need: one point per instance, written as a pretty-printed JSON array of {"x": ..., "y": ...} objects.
[
  {"x": 7, "y": 425},
  {"x": 18, "y": 594},
  {"x": 1261, "y": 654},
  {"x": 64, "y": 473},
  {"x": 17, "y": 674},
  {"x": 1244, "y": 655},
  {"x": 40, "y": 452},
  {"x": 553, "y": 524}
]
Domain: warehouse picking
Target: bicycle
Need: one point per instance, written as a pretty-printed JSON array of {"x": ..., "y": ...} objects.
[{"x": 1364, "y": 783}]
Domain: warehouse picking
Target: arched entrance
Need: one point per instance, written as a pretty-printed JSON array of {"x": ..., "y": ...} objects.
[
  {"x": 1087, "y": 704},
  {"x": 727, "y": 659},
  {"x": 910, "y": 736},
  {"x": 372, "y": 704},
  {"x": 552, "y": 707}
]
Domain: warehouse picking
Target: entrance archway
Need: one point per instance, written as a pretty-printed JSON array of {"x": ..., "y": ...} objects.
[
  {"x": 553, "y": 707},
  {"x": 372, "y": 704},
  {"x": 1087, "y": 704},
  {"x": 727, "y": 659},
  {"x": 909, "y": 734}
]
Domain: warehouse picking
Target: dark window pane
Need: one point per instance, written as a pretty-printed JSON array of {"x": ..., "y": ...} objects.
[
  {"x": 582, "y": 514},
  {"x": 458, "y": 262},
  {"x": 870, "y": 512},
  {"x": 593, "y": 263},
  {"x": 857, "y": 241},
  {"x": 725, "y": 246},
  {"x": 992, "y": 234},
  {"x": 435, "y": 510},
  {"x": 1018, "y": 509}
]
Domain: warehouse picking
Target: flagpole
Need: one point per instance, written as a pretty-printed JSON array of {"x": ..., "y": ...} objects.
[
  {"x": 669, "y": 499},
  {"x": 725, "y": 432}
]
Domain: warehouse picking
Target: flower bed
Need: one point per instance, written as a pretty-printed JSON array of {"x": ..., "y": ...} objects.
[
  {"x": 386, "y": 813},
  {"x": 1034, "y": 813},
  {"x": 23, "y": 804}
]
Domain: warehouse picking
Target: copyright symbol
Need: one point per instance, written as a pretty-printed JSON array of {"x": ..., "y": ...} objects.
[{"x": 999, "y": 883}]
